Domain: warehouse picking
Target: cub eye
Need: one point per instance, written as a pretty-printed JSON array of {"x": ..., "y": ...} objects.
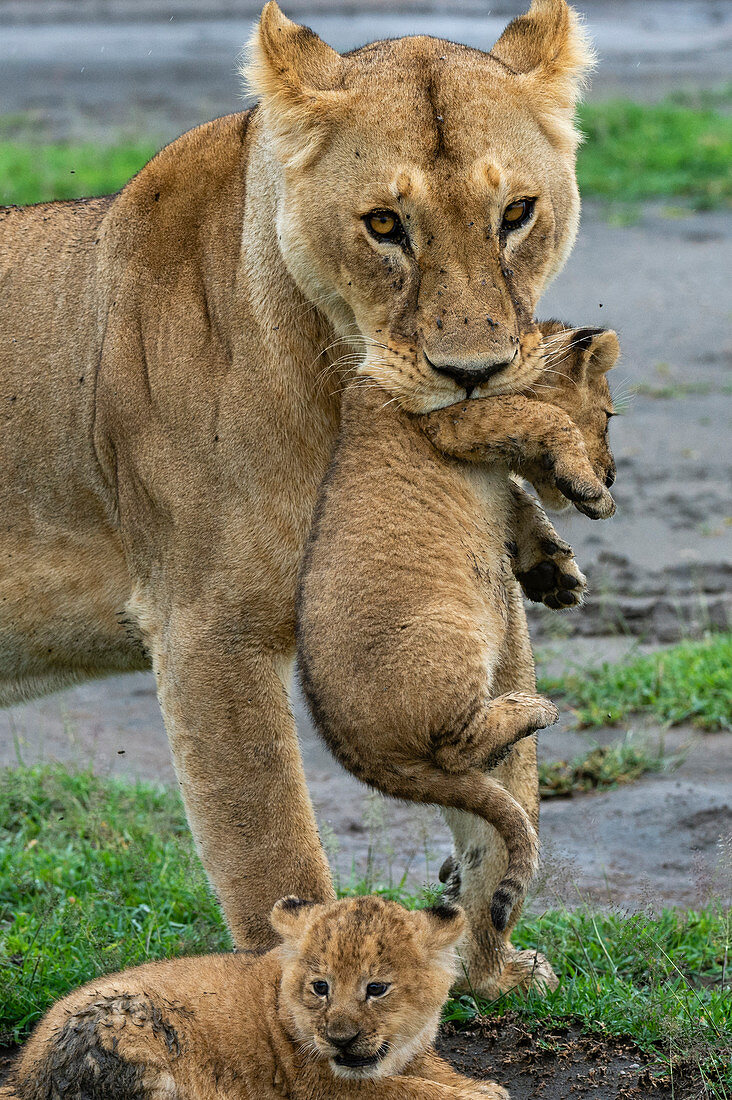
[
  {"x": 384, "y": 225},
  {"x": 518, "y": 213},
  {"x": 321, "y": 989},
  {"x": 376, "y": 989}
]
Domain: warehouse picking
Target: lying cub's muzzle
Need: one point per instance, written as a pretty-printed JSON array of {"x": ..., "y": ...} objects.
[{"x": 352, "y": 1060}]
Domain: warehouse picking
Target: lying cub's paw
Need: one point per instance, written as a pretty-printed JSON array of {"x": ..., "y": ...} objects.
[
  {"x": 555, "y": 580},
  {"x": 491, "y": 1089}
]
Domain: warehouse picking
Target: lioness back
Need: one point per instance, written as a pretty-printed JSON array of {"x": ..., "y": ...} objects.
[{"x": 69, "y": 271}]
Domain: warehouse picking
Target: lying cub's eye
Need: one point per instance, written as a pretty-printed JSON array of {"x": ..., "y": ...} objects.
[
  {"x": 518, "y": 213},
  {"x": 321, "y": 989},
  {"x": 385, "y": 225},
  {"x": 376, "y": 989}
]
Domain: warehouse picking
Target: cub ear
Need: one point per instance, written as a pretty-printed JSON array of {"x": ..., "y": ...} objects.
[
  {"x": 296, "y": 75},
  {"x": 550, "y": 47},
  {"x": 443, "y": 926},
  {"x": 290, "y": 916},
  {"x": 600, "y": 350}
]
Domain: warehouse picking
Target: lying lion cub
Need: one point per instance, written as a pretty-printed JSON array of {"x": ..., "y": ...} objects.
[
  {"x": 348, "y": 1006},
  {"x": 403, "y": 595}
]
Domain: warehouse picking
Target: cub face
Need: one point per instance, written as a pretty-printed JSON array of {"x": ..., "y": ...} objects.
[
  {"x": 428, "y": 193},
  {"x": 575, "y": 363},
  {"x": 363, "y": 980}
]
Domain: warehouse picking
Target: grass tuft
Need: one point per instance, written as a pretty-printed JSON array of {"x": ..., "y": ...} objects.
[
  {"x": 688, "y": 682},
  {"x": 602, "y": 768}
]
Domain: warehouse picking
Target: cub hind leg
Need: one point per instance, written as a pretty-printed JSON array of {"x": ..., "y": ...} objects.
[
  {"x": 111, "y": 1044},
  {"x": 487, "y": 737}
]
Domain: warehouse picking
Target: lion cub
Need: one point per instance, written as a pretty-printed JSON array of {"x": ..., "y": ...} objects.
[
  {"x": 404, "y": 600},
  {"x": 348, "y": 1006}
]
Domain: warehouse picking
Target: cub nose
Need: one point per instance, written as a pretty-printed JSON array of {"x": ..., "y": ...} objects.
[
  {"x": 342, "y": 1039},
  {"x": 468, "y": 377}
]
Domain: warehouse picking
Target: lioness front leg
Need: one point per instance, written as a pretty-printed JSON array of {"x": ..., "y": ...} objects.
[
  {"x": 232, "y": 735},
  {"x": 543, "y": 563},
  {"x": 529, "y": 436}
]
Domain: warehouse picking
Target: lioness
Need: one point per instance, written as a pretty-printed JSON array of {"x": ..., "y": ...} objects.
[
  {"x": 402, "y": 608},
  {"x": 171, "y": 360},
  {"x": 347, "y": 1007}
]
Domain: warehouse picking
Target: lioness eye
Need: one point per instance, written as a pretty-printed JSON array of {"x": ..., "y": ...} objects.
[
  {"x": 376, "y": 989},
  {"x": 384, "y": 225},
  {"x": 518, "y": 213},
  {"x": 320, "y": 988}
]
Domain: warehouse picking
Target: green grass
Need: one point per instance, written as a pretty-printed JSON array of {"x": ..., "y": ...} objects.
[
  {"x": 688, "y": 682},
  {"x": 634, "y": 152},
  {"x": 39, "y": 173},
  {"x": 97, "y": 874},
  {"x": 94, "y": 875},
  {"x": 601, "y": 768}
]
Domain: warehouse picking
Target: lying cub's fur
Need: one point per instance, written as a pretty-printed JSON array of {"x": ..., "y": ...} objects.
[
  {"x": 348, "y": 1006},
  {"x": 404, "y": 602}
]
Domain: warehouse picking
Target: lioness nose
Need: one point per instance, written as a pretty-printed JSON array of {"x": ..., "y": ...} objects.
[
  {"x": 468, "y": 376},
  {"x": 342, "y": 1039}
]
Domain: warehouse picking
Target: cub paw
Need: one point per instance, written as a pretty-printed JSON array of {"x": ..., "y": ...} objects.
[
  {"x": 556, "y": 580},
  {"x": 492, "y": 1090},
  {"x": 577, "y": 481}
]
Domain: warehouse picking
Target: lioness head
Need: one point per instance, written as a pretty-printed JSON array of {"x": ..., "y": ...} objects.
[
  {"x": 575, "y": 363},
  {"x": 427, "y": 192},
  {"x": 363, "y": 979}
]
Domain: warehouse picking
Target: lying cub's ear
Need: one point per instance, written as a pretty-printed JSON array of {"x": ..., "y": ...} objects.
[
  {"x": 549, "y": 51},
  {"x": 442, "y": 926},
  {"x": 600, "y": 350},
  {"x": 289, "y": 916},
  {"x": 296, "y": 75}
]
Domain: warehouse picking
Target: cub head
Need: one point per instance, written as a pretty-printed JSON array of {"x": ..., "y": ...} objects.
[
  {"x": 426, "y": 193},
  {"x": 363, "y": 980},
  {"x": 575, "y": 362}
]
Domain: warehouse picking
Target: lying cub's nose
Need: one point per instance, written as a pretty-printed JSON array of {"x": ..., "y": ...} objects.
[
  {"x": 468, "y": 376},
  {"x": 342, "y": 1039}
]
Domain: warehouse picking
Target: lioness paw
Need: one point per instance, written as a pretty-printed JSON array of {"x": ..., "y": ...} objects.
[{"x": 556, "y": 580}]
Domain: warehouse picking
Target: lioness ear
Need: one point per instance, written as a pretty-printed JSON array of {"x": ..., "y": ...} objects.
[
  {"x": 289, "y": 916},
  {"x": 442, "y": 926},
  {"x": 296, "y": 75},
  {"x": 549, "y": 47},
  {"x": 600, "y": 350}
]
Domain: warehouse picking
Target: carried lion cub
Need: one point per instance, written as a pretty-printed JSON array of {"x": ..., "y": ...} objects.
[
  {"x": 402, "y": 610},
  {"x": 348, "y": 1006}
]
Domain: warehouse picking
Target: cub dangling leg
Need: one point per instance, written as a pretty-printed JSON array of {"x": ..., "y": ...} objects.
[{"x": 543, "y": 564}]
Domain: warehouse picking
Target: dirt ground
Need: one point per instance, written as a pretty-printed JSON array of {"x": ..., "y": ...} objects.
[{"x": 566, "y": 1065}]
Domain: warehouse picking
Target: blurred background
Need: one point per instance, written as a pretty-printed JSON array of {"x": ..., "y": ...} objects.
[{"x": 636, "y": 779}]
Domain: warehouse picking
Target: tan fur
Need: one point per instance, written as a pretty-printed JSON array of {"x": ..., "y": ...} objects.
[
  {"x": 250, "y": 1028},
  {"x": 404, "y": 609},
  {"x": 171, "y": 358}
]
